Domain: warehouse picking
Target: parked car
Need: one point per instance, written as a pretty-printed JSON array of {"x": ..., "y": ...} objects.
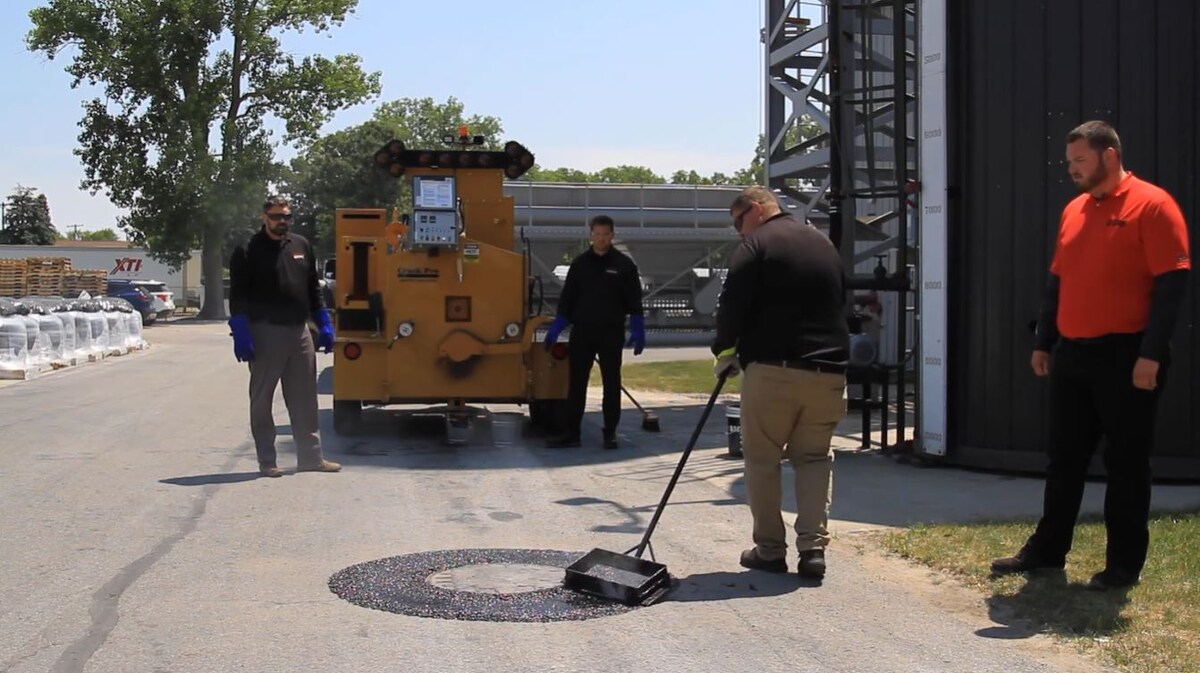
[
  {"x": 138, "y": 296},
  {"x": 164, "y": 299}
]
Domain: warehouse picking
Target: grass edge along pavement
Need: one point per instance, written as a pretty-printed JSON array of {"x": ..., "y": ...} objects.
[
  {"x": 682, "y": 376},
  {"x": 1153, "y": 627}
]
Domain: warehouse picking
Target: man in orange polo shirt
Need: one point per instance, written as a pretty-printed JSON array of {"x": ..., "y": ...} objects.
[{"x": 1119, "y": 274}]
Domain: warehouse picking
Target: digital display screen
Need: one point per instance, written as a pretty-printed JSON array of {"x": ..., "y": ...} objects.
[{"x": 429, "y": 192}]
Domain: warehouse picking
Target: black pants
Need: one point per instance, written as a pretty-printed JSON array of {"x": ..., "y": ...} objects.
[
  {"x": 587, "y": 343},
  {"x": 1092, "y": 396}
]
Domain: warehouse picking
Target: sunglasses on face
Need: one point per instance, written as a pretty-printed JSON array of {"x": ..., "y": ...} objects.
[
  {"x": 737, "y": 219},
  {"x": 279, "y": 216}
]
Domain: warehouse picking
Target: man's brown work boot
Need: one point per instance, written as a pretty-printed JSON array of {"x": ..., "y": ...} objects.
[
  {"x": 320, "y": 466},
  {"x": 270, "y": 471}
]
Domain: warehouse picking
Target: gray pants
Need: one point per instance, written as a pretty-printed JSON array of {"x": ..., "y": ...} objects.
[{"x": 284, "y": 354}]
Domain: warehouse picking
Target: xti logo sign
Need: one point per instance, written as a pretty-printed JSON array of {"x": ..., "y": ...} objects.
[{"x": 127, "y": 265}]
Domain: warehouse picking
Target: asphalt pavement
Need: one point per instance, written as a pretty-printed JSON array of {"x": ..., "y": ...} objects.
[{"x": 137, "y": 536}]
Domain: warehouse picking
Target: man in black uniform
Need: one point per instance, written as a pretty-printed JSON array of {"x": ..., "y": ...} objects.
[
  {"x": 781, "y": 319},
  {"x": 602, "y": 287},
  {"x": 273, "y": 291},
  {"x": 1120, "y": 271}
]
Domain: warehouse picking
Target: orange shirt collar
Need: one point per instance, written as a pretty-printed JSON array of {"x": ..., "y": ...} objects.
[{"x": 1123, "y": 186}]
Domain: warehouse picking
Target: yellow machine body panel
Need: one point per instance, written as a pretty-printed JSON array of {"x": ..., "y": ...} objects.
[{"x": 445, "y": 322}]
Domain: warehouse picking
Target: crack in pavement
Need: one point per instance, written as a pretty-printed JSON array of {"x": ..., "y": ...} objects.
[{"x": 104, "y": 609}]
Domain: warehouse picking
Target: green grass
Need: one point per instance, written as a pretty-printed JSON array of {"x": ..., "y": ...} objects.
[
  {"x": 688, "y": 376},
  {"x": 1153, "y": 627}
]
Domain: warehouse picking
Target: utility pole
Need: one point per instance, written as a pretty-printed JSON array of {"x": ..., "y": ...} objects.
[{"x": 74, "y": 232}]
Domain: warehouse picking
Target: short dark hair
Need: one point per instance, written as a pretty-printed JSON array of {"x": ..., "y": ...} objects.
[
  {"x": 753, "y": 194},
  {"x": 603, "y": 221},
  {"x": 275, "y": 200},
  {"x": 1099, "y": 136}
]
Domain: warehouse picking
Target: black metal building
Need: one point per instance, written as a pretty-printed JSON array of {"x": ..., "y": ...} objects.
[{"x": 1022, "y": 74}]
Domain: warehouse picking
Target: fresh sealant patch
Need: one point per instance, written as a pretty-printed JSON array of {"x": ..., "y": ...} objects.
[{"x": 491, "y": 585}]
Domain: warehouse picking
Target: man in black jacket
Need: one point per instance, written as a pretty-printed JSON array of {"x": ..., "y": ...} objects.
[
  {"x": 781, "y": 319},
  {"x": 602, "y": 287},
  {"x": 273, "y": 291}
]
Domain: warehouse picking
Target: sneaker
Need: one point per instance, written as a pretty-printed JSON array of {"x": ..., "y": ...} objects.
[
  {"x": 751, "y": 559},
  {"x": 812, "y": 563},
  {"x": 321, "y": 466},
  {"x": 1024, "y": 561},
  {"x": 1107, "y": 579},
  {"x": 270, "y": 471}
]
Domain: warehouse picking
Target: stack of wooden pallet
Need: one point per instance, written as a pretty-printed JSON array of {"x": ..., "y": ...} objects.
[
  {"x": 45, "y": 275},
  {"x": 12, "y": 277},
  {"x": 95, "y": 283}
]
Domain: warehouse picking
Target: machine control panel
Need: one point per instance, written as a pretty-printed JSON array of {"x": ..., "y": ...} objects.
[
  {"x": 434, "y": 229},
  {"x": 435, "y": 219}
]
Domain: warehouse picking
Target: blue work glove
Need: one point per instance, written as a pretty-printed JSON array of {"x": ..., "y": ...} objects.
[
  {"x": 324, "y": 330},
  {"x": 637, "y": 333},
  {"x": 243, "y": 344},
  {"x": 560, "y": 323}
]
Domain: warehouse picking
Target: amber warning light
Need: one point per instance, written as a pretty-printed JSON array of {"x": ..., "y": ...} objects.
[{"x": 514, "y": 159}]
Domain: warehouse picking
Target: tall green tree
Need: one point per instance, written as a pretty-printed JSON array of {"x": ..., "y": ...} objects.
[
  {"x": 180, "y": 136},
  {"x": 338, "y": 171},
  {"x": 27, "y": 219}
]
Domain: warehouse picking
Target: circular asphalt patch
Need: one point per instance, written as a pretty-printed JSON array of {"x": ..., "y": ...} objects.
[{"x": 491, "y": 585}]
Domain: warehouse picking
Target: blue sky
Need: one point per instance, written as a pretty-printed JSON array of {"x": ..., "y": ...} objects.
[{"x": 669, "y": 84}]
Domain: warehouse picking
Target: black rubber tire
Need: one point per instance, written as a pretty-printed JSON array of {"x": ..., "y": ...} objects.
[
  {"x": 347, "y": 417},
  {"x": 546, "y": 415}
]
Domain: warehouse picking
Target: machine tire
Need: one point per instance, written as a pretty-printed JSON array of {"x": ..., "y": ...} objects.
[{"x": 347, "y": 417}]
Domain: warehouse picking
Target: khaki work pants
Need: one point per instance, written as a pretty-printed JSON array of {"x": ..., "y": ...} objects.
[
  {"x": 790, "y": 413},
  {"x": 284, "y": 354}
]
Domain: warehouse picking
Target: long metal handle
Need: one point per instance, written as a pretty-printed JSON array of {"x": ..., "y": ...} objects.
[
  {"x": 627, "y": 393},
  {"x": 712, "y": 400}
]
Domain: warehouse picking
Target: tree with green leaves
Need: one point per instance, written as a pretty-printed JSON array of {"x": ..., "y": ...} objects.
[
  {"x": 98, "y": 235},
  {"x": 27, "y": 219},
  {"x": 338, "y": 170},
  {"x": 180, "y": 137}
]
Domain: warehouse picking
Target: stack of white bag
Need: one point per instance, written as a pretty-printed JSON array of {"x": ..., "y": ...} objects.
[
  {"x": 38, "y": 333},
  {"x": 14, "y": 341}
]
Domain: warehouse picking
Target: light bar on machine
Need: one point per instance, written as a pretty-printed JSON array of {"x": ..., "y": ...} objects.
[{"x": 514, "y": 160}]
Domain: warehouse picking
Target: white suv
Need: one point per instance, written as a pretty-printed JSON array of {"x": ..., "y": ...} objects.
[{"x": 164, "y": 299}]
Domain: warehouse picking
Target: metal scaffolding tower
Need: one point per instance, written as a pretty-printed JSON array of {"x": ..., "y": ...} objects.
[{"x": 840, "y": 77}]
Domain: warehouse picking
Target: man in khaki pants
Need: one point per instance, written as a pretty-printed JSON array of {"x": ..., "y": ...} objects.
[{"x": 781, "y": 319}]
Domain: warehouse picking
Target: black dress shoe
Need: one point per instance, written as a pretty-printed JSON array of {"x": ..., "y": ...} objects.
[
  {"x": 1024, "y": 561},
  {"x": 564, "y": 443},
  {"x": 1107, "y": 580},
  {"x": 812, "y": 563},
  {"x": 610, "y": 441},
  {"x": 751, "y": 559}
]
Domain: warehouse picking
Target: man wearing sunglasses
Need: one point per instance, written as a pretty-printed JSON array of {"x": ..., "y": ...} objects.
[
  {"x": 273, "y": 292},
  {"x": 781, "y": 319}
]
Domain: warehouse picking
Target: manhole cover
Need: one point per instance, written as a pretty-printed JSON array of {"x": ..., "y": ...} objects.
[
  {"x": 495, "y": 585},
  {"x": 499, "y": 578}
]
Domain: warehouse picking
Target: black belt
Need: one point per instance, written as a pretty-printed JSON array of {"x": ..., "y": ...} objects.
[
  {"x": 807, "y": 365},
  {"x": 1115, "y": 337}
]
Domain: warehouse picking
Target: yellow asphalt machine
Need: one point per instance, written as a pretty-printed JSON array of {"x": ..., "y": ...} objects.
[{"x": 438, "y": 306}]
